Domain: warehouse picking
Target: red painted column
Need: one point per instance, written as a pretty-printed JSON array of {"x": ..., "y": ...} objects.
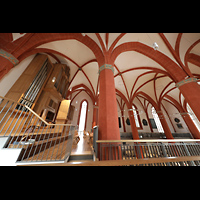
[
  {"x": 190, "y": 124},
  {"x": 191, "y": 91},
  {"x": 108, "y": 115},
  {"x": 133, "y": 125},
  {"x": 95, "y": 112},
  {"x": 124, "y": 126}
]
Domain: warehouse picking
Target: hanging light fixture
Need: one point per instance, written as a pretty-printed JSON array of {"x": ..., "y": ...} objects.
[
  {"x": 155, "y": 46},
  {"x": 53, "y": 79}
]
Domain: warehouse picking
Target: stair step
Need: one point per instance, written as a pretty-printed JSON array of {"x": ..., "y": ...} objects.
[
  {"x": 3, "y": 141},
  {"x": 80, "y": 157}
]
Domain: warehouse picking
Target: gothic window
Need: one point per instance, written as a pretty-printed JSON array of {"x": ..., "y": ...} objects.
[
  {"x": 193, "y": 117},
  {"x": 136, "y": 117},
  {"x": 157, "y": 120}
]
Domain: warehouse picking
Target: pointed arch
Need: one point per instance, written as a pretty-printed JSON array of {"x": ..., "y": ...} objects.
[{"x": 170, "y": 66}]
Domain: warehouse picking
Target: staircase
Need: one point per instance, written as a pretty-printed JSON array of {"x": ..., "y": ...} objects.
[{"x": 25, "y": 137}]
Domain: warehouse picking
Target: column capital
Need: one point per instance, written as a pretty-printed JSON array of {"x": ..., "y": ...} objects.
[
  {"x": 106, "y": 66},
  {"x": 183, "y": 82},
  {"x": 9, "y": 57}
]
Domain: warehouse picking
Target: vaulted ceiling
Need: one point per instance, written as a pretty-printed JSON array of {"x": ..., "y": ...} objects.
[{"x": 139, "y": 76}]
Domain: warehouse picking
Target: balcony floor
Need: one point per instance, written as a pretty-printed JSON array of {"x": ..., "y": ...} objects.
[{"x": 83, "y": 147}]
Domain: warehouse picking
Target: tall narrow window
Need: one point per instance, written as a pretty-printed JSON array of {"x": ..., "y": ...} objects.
[
  {"x": 157, "y": 120},
  {"x": 82, "y": 118},
  {"x": 136, "y": 117},
  {"x": 193, "y": 117}
]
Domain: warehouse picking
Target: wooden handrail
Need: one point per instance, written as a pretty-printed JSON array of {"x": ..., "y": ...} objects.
[
  {"x": 149, "y": 141},
  {"x": 35, "y": 113},
  {"x": 126, "y": 162}
]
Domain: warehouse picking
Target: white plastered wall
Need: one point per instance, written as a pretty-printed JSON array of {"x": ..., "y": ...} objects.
[{"x": 11, "y": 77}]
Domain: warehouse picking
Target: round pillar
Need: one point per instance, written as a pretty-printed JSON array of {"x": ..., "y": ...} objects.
[{"x": 108, "y": 115}]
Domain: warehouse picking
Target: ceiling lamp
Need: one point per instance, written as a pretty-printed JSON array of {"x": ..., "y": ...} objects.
[
  {"x": 53, "y": 79},
  {"x": 83, "y": 34},
  {"x": 155, "y": 46}
]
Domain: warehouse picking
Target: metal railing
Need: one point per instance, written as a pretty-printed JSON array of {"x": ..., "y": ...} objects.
[
  {"x": 39, "y": 140},
  {"x": 145, "y": 149}
]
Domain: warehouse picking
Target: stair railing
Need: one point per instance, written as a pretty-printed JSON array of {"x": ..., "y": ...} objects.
[{"x": 39, "y": 140}]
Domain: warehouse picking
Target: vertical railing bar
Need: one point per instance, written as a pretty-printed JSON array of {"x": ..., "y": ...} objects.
[
  {"x": 135, "y": 150},
  {"x": 122, "y": 151},
  {"x": 27, "y": 138},
  {"x": 46, "y": 141},
  {"x": 17, "y": 127},
  {"x": 114, "y": 146},
  {"x": 121, "y": 146},
  {"x": 26, "y": 128},
  {"x": 7, "y": 118},
  {"x": 169, "y": 153},
  {"x": 172, "y": 150},
  {"x": 131, "y": 152},
  {"x": 195, "y": 153},
  {"x": 138, "y": 150},
  {"x": 146, "y": 151},
  {"x": 4, "y": 106},
  {"x": 180, "y": 152},
  {"x": 188, "y": 154},
  {"x": 128, "y": 151},
  {"x": 192, "y": 148},
  {"x": 152, "y": 151},
  {"x": 149, "y": 153},
  {"x": 69, "y": 141},
  {"x": 118, "y": 151},
  {"x": 177, "y": 153},
  {"x": 55, "y": 142},
  {"x": 35, "y": 136},
  {"x": 125, "y": 149},
  {"x": 23, "y": 126},
  {"x": 38, "y": 122},
  {"x": 159, "y": 150},
  {"x": 64, "y": 141},
  {"x": 50, "y": 143},
  {"x": 143, "y": 150},
  {"x": 12, "y": 119},
  {"x": 110, "y": 152},
  {"x": 169, "y": 148},
  {"x": 195, "y": 147},
  {"x": 100, "y": 151},
  {"x": 156, "y": 151},
  {"x": 164, "y": 152},
  {"x": 59, "y": 142},
  {"x": 36, "y": 146}
]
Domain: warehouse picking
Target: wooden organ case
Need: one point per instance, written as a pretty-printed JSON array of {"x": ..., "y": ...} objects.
[{"x": 42, "y": 87}]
